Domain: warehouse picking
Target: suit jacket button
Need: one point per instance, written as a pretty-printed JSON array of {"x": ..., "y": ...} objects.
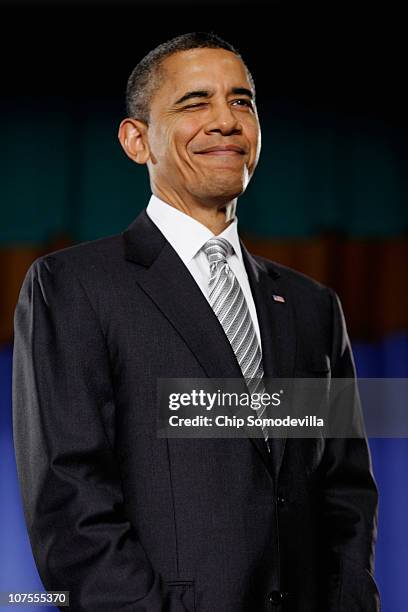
[
  {"x": 281, "y": 501},
  {"x": 276, "y": 597}
]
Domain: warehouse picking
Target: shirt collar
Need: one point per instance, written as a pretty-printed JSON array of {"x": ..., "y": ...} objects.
[{"x": 185, "y": 234}]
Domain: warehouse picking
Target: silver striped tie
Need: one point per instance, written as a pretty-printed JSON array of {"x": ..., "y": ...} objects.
[{"x": 228, "y": 302}]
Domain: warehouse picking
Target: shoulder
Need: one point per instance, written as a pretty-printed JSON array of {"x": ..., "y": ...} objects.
[
  {"x": 90, "y": 258},
  {"x": 295, "y": 281},
  {"x": 310, "y": 299},
  {"x": 316, "y": 307},
  {"x": 92, "y": 250},
  {"x": 84, "y": 269}
]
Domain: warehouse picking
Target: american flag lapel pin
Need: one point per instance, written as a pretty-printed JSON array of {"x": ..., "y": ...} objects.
[{"x": 279, "y": 298}]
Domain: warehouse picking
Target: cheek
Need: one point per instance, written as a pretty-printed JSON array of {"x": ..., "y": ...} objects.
[
  {"x": 184, "y": 134},
  {"x": 174, "y": 144},
  {"x": 254, "y": 136},
  {"x": 254, "y": 139}
]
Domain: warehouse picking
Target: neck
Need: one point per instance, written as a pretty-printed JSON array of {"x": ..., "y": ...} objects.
[{"x": 215, "y": 216}]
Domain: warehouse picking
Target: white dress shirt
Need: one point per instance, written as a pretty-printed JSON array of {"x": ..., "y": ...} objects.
[{"x": 187, "y": 237}]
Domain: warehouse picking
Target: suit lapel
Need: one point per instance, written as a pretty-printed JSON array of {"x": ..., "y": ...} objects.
[
  {"x": 276, "y": 319},
  {"x": 164, "y": 277},
  {"x": 276, "y": 323}
]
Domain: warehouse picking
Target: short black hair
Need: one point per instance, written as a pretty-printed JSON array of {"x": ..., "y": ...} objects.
[{"x": 147, "y": 75}]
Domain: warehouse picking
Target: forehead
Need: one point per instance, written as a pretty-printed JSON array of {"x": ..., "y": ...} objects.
[{"x": 204, "y": 68}]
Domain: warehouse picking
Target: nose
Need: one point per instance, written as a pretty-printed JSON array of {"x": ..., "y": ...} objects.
[{"x": 223, "y": 120}]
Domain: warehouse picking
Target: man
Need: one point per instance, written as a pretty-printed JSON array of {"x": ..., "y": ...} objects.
[{"x": 124, "y": 519}]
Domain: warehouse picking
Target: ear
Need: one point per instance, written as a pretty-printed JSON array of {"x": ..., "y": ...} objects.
[{"x": 132, "y": 135}]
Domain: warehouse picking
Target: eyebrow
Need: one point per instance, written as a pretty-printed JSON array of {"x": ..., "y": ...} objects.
[{"x": 202, "y": 93}]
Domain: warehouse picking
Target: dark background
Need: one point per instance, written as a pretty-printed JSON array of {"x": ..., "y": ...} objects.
[{"x": 339, "y": 57}]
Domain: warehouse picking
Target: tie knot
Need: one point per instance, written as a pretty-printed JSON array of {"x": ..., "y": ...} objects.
[{"x": 217, "y": 250}]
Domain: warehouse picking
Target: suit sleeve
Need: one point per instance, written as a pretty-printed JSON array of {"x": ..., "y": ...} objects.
[
  {"x": 350, "y": 498},
  {"x": 81, "y": 539}
]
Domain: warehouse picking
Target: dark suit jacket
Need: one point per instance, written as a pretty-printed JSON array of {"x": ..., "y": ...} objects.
[{"x": 127, "y": 521}]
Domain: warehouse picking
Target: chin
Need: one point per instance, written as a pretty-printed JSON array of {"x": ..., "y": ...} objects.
[
  {"x": 227, "y": 191},
  {"x": 221, "y": 197}
]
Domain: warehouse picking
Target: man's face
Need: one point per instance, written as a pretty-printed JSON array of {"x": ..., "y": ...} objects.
[{"x": 203, "y": 135}]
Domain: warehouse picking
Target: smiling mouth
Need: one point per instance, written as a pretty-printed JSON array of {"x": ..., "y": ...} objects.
[
  {"x": 226, "y": 150},
  {"x": 223, "y": 152}
]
